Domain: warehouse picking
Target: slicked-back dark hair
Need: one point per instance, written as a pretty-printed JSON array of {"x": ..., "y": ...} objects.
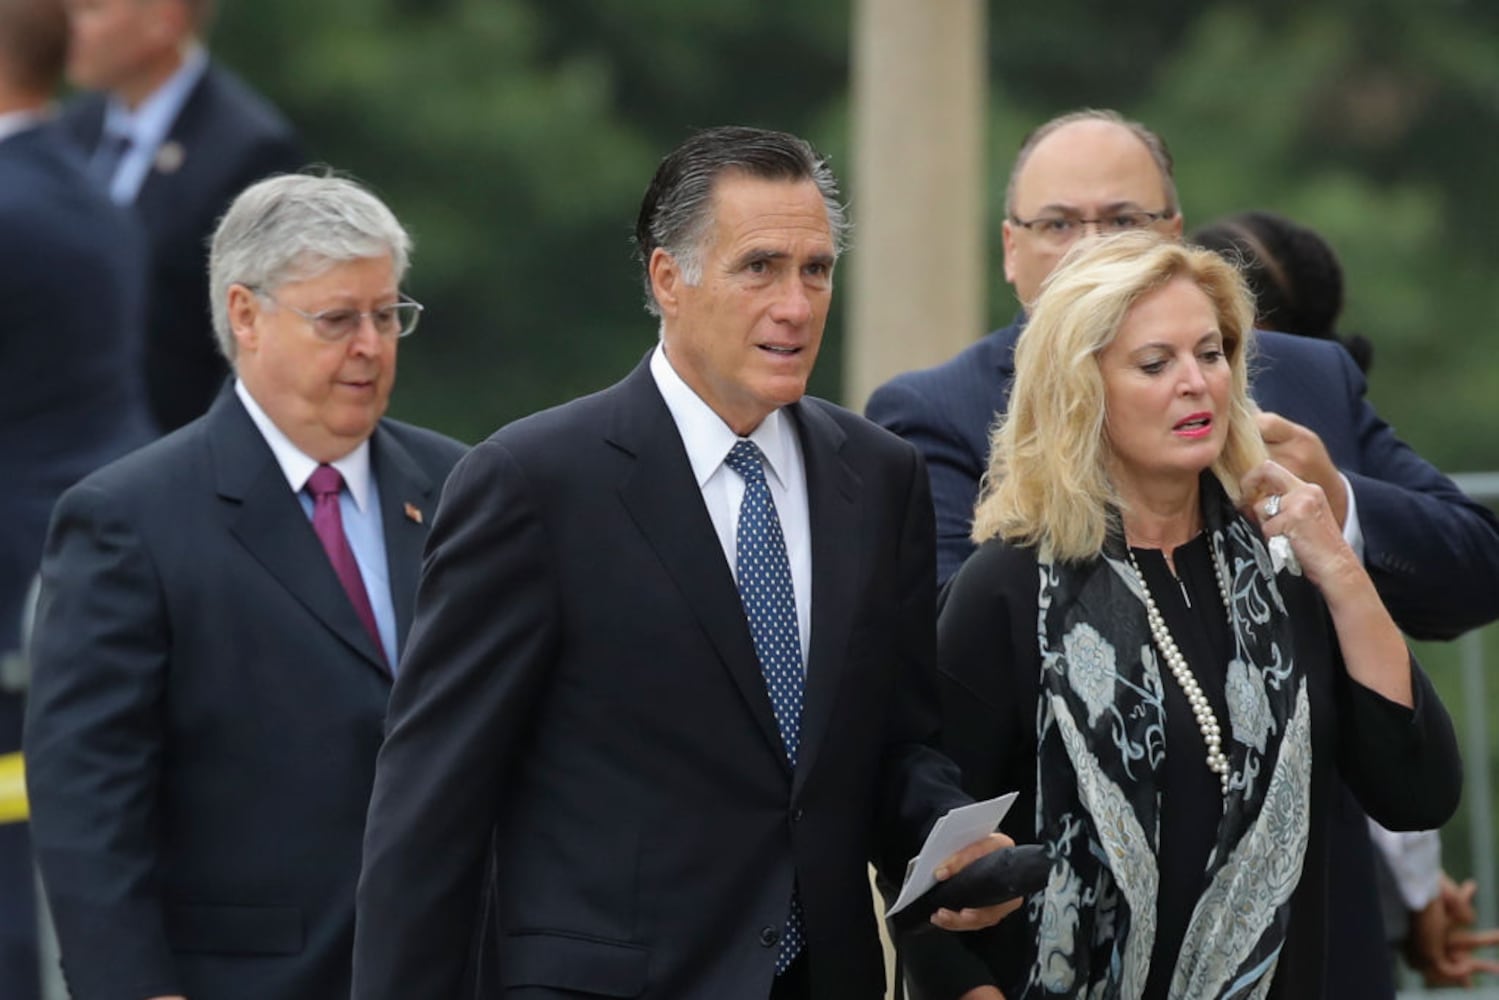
[{"x": 677, "y": 210}]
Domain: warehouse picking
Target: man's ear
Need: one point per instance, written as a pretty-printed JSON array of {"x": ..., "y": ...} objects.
[
  {"x": 244, "y": 310},
  {"x": 666, "y": 280}
]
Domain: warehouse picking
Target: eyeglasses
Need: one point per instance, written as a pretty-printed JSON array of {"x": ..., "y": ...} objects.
[
  {"x": 398, "y": 319},
  {"x": 1063, "y": 229}
]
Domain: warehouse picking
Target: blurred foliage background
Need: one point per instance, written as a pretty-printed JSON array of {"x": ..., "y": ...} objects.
[{"x": 515, "y": 137}]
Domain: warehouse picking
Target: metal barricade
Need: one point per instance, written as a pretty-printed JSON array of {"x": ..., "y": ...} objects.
[
  {"x": 1472, "y": 716},
  {"x": 1478, "y": 786}
]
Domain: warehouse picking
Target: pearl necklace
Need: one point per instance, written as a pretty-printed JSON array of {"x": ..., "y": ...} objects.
[{"x": 1202, "y": 709}]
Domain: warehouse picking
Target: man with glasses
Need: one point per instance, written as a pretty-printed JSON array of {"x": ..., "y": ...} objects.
[
  {"x": 221, "y": 617},
  {"x": 1432, "y": 552}
]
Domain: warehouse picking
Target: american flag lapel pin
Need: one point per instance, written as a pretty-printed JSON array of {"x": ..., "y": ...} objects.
[{"x": 413, "y": 512}]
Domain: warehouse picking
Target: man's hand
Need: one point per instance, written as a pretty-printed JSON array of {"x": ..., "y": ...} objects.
[
  {"x": 1304, "y": 455},
  {"x": 1440, "y": 948},
  {"x": 983, "y": 993},
  {"x": 973, "y": 918}
]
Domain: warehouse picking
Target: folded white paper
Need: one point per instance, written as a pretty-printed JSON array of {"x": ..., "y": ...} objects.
[{"x": 953, "y": 832}]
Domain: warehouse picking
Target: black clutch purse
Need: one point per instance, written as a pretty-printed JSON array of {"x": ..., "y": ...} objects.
[{"x": 1004, "y": 874}]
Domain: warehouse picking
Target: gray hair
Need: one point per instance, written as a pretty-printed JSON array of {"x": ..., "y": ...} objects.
[
  {"x": 676, "y": 213},
  {"x": 293, "y": 227},
  {"x": 1152, "y": 142}
]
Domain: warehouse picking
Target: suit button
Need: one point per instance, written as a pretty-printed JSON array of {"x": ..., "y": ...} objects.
[
  {"x": 770, "y": 936},
  {"x": 796, "y": 815}
]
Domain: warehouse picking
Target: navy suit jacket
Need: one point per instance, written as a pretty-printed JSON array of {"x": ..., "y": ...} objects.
[
  {"x": 205, "y": 713},
  {"x": 72, "y": 268},
  {"x": 229, "y": 137},
  {"x": 1432, "y": 552},
  {"x": 72, "y": 274},
  {"x": 581, "y": 681}
]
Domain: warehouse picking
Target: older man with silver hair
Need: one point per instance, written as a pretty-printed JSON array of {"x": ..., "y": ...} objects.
[{"x": 221, "y": 616}]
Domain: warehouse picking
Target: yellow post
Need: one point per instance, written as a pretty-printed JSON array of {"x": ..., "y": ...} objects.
[{"x": 13, "y": 807}]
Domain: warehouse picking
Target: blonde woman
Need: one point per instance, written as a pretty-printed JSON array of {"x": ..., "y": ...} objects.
[{"x": 1121, "y": 648}]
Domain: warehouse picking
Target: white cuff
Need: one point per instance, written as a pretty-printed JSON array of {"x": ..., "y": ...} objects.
[
  {"x": 1353, "y": 533},
  {"x": 1415, "y": 861}
]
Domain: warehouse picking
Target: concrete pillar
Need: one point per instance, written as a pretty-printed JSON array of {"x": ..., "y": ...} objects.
[
  {"x": 917, "y": 272},
  {"x": 918, "y": 268}
]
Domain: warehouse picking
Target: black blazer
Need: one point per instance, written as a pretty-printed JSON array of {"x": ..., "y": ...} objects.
[
  {"x": 204, "y": 718},
  {"x": 581, "y": 683},
  {"x": 229, "y": 137},
  {"x": 1403, "y": 764}
]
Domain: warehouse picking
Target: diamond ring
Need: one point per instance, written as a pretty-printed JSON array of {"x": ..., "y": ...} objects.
[{"x": 1272, "y": 506}]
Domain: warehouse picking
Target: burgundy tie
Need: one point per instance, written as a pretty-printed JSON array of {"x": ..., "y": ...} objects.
[{"x": 325, "y": 484}]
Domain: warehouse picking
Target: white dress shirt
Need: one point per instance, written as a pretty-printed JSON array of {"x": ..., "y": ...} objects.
[{"x": 708, "y": 441}]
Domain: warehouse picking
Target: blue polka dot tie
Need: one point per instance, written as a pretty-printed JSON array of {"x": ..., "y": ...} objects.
[{"x": 764, "y": 576}]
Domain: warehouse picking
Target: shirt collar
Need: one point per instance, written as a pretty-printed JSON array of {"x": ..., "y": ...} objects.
[
  {"x": 13, "y": 122},
  {"x": 296, "y": 465},
  {"x": 149, "y": 124},
  {"x": 707, "y": 438}
]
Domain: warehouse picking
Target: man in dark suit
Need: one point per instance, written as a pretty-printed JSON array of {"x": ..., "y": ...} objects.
[
  {"x": 219, "y": 617},
  {"x": 177, "y": 136},
  {"x": 1432, "y": 552},
  {"x": 592, "y": 711},
  {"x": 72, "y": 272}
]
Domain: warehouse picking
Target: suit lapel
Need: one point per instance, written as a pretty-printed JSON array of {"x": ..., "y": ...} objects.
[
  {"x": 662, "y": 497},
  {"x": 155, "y": 199},
  {"x": 406, "y": 507},
  {"x": 269, "y": 521},
  {"x": 833, "y": 507}
]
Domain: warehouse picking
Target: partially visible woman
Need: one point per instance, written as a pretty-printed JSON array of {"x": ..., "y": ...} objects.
[
  {"x": 1293, "y": 273},
  {"x": 1174, "y": 711}
]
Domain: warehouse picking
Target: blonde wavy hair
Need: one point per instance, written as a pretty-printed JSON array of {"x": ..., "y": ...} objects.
[{"x": 1048, "y": 482}]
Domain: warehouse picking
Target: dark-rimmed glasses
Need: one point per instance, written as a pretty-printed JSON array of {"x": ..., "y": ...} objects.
[{"x": 1063, "y": 229}]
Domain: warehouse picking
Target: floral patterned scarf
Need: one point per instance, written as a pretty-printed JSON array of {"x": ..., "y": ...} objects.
[{"x": 1101, "y": 732}]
